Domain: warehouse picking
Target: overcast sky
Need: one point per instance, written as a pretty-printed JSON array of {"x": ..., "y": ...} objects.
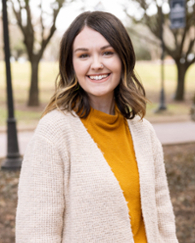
[{"x": 70, "y": 11}]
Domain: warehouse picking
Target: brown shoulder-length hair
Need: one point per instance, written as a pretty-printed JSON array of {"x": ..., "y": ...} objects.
[{"x": 69, "y": 96}]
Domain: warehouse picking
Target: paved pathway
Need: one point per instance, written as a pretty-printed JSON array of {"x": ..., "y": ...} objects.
[
  {"x": 175, "y": 133},
  {"x": 168, "y": 133}
]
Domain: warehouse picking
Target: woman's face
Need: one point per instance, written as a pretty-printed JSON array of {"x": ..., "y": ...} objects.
[{"x": 96, "y": 64}]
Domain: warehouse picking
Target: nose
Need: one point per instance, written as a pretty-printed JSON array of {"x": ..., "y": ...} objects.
[{"x": 96, "y": 63}]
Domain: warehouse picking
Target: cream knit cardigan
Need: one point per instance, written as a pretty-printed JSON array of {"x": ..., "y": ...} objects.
[{"x": 68, "y": 193}]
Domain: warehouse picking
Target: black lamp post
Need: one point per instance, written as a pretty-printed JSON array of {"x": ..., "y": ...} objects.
[
  {"x": 13, "y": 159},
  {"x": 162, "y": 105}
]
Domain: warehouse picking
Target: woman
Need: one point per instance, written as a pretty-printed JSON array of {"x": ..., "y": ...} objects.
[{"x": 93, "y": 171}]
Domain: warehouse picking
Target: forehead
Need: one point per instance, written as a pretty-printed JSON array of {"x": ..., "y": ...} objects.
[{"x": 89, "y": 38}]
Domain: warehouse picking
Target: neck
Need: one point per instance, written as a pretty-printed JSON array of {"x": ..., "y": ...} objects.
[{"x": 106, "y": 106}]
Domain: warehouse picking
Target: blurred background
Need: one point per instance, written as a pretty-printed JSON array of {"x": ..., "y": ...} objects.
[
  {"x": 35, "y": 31},
  {"x": 165, "y": 64}
]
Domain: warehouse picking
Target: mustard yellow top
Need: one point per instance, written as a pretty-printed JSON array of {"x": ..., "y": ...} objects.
[{"x": 111, "y": 134}]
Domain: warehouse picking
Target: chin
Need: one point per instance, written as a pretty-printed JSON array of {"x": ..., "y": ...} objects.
[{"x": 98, "y": 94}]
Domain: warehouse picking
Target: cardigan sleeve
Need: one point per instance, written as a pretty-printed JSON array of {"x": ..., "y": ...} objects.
[
  {"x": 166, "y": 219},
  {"x": 39, "y": 217}
]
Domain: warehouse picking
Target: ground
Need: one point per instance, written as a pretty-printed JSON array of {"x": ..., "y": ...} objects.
[{"x": 180, "y": 167}]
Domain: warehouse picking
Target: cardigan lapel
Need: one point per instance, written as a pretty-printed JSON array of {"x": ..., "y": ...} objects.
[{"x": 143, "y": 151}]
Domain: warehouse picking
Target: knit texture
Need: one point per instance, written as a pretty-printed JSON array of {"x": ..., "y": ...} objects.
[
  {"x": 68, "y": 193},
  {"x": 111, "y": 134}
]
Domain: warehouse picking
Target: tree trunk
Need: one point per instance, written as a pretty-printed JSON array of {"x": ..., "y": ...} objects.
[
  {"x": 180, "y": 90},
  {"x": 33, "y": 99},
  {"x": 192, "y": 111}
]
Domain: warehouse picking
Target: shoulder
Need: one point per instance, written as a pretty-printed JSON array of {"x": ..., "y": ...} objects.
[
  {"x": 55, "y": 123},
  {"x": 54, "y": 117},
  {"x": 141, "y": 125},
  {"x": 143, "y": 131}
]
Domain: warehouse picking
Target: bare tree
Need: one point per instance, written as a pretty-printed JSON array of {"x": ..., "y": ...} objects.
[
  {"x": 35, "y": 44},
  {"x": 182, "y": 48}
]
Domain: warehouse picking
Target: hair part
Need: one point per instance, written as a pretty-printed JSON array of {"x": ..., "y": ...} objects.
[{"x": 69, "y": 96}]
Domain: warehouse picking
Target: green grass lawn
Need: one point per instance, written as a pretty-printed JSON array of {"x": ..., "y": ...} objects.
[{"x": 148, "y": 72}]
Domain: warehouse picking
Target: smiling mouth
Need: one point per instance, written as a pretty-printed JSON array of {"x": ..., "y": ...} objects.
[{"x": 98, "y": 77}]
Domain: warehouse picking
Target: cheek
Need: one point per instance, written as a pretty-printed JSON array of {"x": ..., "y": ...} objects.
[
  {"x": 80, "y": 68},
  {"x": 117, "y": 68},
  {"x": 119, "y": 64},
  {"x": 115, "y": 65}
]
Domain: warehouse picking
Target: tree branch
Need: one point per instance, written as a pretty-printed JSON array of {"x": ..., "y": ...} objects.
[
  {"x": 18, "y": 15},
  {"x": 191, "y": 62},
  {"x": 28, "y": 31},
  {"x": 186, "y": 29},
  {"x": 29, "y": 17},
  {"x": 192, "y": 43},
  {"x": 41, "y": 20},
  {"x": 45, "y": 41},
  {"x": 143, "y": 37},
  {"x": 175, "y": 33}
]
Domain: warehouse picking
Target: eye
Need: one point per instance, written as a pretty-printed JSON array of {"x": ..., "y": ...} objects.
[
  {"x": 84, "y": 55},
  {"x": 108, "y": 53}
]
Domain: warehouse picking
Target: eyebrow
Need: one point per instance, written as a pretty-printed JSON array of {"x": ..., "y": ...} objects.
[{"x": 85, "y": 49}]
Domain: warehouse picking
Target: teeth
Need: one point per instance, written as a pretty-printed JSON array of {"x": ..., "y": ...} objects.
[{"x": 98, "y": 77}]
